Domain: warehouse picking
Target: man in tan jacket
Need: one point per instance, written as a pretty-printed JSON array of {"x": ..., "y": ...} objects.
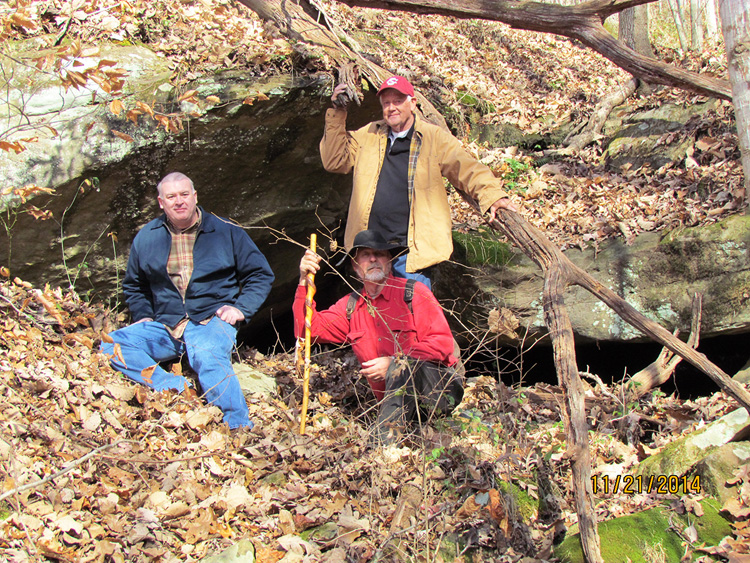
[{"x": 399, "y": 164}]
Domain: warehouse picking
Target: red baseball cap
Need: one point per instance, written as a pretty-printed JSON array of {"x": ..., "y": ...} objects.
[{"x": 398, "y": 83}]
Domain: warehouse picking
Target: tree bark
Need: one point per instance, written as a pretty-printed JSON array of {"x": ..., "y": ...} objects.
[
  {"x": 696, "y": 26},
  {"x": 582, "y": 22},
  {"x": 679, "y": 24},
  {"x": 662, "y": 368},
  {"x": 712, "y": 22},
  {"x": 633, "y": 30},
  {"x": 593, "y": 128},
  {"x": 735, "y": 25}
]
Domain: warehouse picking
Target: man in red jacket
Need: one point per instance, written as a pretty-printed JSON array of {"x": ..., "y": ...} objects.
[{"x": 398, "y": 332}]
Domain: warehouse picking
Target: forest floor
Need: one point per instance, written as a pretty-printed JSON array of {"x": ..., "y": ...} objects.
[{"x": 95, "y": 468}]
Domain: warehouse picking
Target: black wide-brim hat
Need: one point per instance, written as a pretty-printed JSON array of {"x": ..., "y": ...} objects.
[{"x": 376, "y": 241}]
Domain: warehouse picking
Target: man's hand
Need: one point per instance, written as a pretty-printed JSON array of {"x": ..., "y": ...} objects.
[
  {"x": 340, "y": 97},
  {"x": 230, "y": 314},
  {"x": 310, "y": 264},
  {"x": 375, "y": 370},
  {"x": 502, "y": 203}
]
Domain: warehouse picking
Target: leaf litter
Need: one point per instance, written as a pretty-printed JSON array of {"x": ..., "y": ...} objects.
[{"x": 96, "y": 468}]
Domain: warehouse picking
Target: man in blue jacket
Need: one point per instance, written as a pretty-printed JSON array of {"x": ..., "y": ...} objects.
[{"x": 191, "y": 277}]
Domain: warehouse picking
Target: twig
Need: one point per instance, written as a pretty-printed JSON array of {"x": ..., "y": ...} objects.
[
  {"x": 70, "y": 467},
  {"x": 18, "y": 503},
  {"x": 64, "y": 32}
]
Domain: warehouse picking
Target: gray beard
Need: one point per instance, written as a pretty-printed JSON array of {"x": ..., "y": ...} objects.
[{"x": 376, "y": 276}]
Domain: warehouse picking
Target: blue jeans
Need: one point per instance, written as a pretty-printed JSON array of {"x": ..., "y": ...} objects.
[
  {"x": 398, "y": 266},
  {"x": 209, "y": 351}
]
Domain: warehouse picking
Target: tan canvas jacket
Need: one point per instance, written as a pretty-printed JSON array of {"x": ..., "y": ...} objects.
[{"x": 441, "y": 156}]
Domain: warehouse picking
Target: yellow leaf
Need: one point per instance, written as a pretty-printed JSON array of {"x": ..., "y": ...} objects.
[
  {"x": 22, "y": 20},
  {"x": 133, "y": 114},
  {"x": 76, "y": 78},
  {"x": 117, "y": 353},
  {"x": 15, "y": 147},
  {"x": 213, "y": 99},
  {"x": 38, "y": 214},
  {"x": 186, "y": 95},
  {"x": 115, "y": 106}
]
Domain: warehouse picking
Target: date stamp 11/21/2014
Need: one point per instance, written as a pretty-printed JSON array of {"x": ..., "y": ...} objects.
[{"x": 638, "y": 484}]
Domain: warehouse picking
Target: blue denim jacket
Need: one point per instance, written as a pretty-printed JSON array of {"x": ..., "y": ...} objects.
[{"x": 228, "y": 270}]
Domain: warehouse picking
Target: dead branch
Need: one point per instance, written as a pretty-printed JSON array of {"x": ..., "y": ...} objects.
[
  {"x": 594, "y": 127},
  {"x": 294, "y": 21},
  {"x": 583, "y": 22},
  {"x": 662, "y": 368},
  {"x": 349, "y": 75}
]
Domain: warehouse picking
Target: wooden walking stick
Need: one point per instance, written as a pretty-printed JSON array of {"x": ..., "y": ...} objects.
[{"x": 308, "y": 319}]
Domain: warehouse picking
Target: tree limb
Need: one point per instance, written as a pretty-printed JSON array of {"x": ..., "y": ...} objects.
[
  {"x": 294, "y": 21},
  {"x": 583, "y": 22},
  {"x": 594, "y": 127},
  {"x": 659, "y": 371}
]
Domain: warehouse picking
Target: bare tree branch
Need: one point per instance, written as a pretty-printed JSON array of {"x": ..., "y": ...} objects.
[{"x": 583, "y": 22}]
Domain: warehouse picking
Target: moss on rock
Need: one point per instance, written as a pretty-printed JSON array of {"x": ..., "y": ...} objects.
[{"x": 638, "y": 537}]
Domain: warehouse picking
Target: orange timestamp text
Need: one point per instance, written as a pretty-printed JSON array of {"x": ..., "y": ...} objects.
[{"x": 638, "y": 484}]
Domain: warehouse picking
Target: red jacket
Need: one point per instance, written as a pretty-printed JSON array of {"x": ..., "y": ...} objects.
[{"x": 390, "y": 330}]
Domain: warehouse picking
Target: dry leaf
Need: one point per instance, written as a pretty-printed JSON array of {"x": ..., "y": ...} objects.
[
  {"x": 147, "y": 373},
  {"x": 123, "y": 136}
]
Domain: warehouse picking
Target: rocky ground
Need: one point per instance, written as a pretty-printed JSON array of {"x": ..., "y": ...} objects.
[{"x": 97, "y": 469}]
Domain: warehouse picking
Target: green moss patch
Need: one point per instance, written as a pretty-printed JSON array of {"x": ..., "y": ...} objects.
[{"x": 638, "y": 537}]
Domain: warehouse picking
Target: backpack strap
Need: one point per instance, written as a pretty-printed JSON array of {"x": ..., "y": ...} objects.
[
  {"x": 409, "y": 293},
  {"x": 351, "y": 303}
]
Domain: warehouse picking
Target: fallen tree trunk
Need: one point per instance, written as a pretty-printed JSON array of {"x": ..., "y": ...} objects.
[
  {"x": 659, "y": 371},
  {"x": 583, "y": 22}
]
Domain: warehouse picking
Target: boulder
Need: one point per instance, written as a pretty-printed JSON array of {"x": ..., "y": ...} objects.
[
  {"x": 651, "y": 535},
  {"x": 637, "y": 138},
  {"x": 718, "y": 468},
  {"x": 250, "y": 145},
  {"x": 678, "y": 457},
  {"x": 253, "y": 381},
  {"x": 658, "y": 274}
]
